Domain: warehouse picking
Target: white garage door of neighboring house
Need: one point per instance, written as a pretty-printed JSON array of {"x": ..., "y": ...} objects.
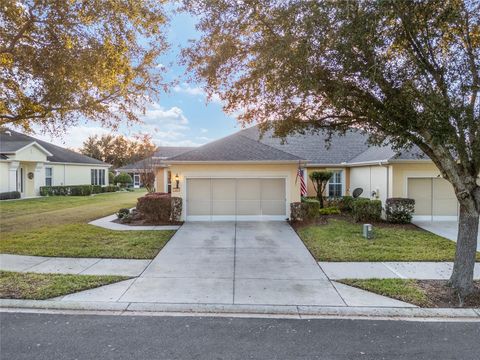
[
  {"x": 434, "y": 199},
  {"x": 236, "y": 199}
]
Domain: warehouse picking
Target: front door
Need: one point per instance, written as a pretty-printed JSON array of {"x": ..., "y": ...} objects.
[{"x": 136, "y": 180}]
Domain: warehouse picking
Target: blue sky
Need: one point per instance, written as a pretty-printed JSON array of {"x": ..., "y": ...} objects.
[{"x": 180, "y": 117}]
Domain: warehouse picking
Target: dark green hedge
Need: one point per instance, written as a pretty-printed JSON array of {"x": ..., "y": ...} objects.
[
  {"x": 75, "y": 190},
  {"x": 367, "y": 210},
  {"x": 9, "y": 195}
]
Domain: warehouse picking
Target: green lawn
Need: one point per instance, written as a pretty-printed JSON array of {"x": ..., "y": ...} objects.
[
  {"x": 340, "y": 240},
  {"x": 402, "y": 289},
  {"x": 57, "y": 226},
  {"x": 14, "y": 285}
]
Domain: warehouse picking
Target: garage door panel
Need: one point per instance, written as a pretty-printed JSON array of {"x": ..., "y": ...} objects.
[
  {"x": 421, "y": 191},
  {"x": 433, "y": 197},
  {"x": 225, "y": 198},
  {"x": 198, "y": 197},
  {"x": 444, "y": 200}
]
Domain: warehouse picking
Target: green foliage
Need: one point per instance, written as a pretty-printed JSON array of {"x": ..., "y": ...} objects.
[
  {"x": 9, "y": 195},
  {"x": 367, "y": 210},
  {"x": 111, "y": 177},
  {"x": 62, "y": 61},
  {"x": 70, "y": 190},
  {"x": 399, "y": 210},
  {"x": 110, "y": 188},
  {"x": 319, "y": 181},
  {"x": 329, "y": 211},
  {"x": 123, "y": 179},
  {"x": 123, "y": 212},
  {"x": 346, "y": 205},
  {"x": 118, "y": 150},
  {"x": 312, "y": 208}
]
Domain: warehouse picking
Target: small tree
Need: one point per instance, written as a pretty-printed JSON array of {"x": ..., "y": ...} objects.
[
  {"x": 320, "y": 180},
  {"x": 147, "y": 174},
  {"x": 123, "y": 179},
  {"x": 111, "y": 178}
]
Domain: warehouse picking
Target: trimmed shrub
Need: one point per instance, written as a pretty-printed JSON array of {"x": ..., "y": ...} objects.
[
  {"x": 111, "y": 177},
  {"x": 367, "y": 210},
  {"x": 9, "y": 195},
  {"x": 123, "y": 212},
  {"x": 160, "y": 207},
  {"x": 96, "y": 189},
  {"x": 123, "y": 179},
  {"x": 71, "y": 190},
  {"x": 399, "y": 210},
  {"x": 329, "y": 211},
  {"x": 346, "y": 204},
  {"x": 312, "y": 207},
  {"x": 110, "y": 188},
  {"x": 297, "y": 211}
]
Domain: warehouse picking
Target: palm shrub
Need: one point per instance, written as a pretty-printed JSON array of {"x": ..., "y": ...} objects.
[{"x": 320, "y": 180}]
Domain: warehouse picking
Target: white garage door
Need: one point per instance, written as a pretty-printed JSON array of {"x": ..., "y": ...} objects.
[
  {"x": 236, "y": 199},
  {"x": 434, "y": 199}
]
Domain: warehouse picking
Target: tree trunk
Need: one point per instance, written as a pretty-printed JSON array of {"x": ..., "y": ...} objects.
[
  {"x": 320, "y": 199},
  {"x": 462, "y": 275}
]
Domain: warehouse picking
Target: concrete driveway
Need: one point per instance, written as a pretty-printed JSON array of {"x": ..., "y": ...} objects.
[
  {"x": 234, "y": 263},
  {"x": 243, "y": 263},
  {"x": 447, "y": 229}
]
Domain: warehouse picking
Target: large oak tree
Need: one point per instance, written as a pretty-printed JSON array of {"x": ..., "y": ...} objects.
[
  {"x": 61, "y": 61},
  {"x": 407, "y": 72}
]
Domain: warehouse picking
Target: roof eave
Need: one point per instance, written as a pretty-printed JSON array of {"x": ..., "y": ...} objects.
[{"x": 185, "y": 162}]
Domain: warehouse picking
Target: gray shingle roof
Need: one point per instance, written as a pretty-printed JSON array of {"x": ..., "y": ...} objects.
[
  {"x": 166, "y": 152},
  {"x": 314, "y": 147},
  {"x": 236, "y": 147},
  {"x": 11, "y": 143}
]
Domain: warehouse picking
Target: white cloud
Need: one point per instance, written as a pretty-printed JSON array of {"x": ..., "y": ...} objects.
[
  {"x": 74, "y": 137},
  {"x": 197, "y": 91},
  {"x": 203, "y": 131}
]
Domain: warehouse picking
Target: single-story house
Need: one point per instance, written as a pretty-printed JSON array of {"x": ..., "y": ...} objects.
[
  {"x": 246, "y": 176},
  {"x": 156, "y": 161},
  {"x": 27, "y": 163}
]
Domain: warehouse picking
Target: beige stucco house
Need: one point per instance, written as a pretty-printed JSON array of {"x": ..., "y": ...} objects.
[
  {"x": 27, "y": 163},
  {"x": 245, "y": 176}
]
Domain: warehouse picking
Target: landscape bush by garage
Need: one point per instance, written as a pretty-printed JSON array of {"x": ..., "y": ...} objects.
[
  {"x": 160, "y": 208},
  {"x": 9, "y": 195},
  {"x": 110, "y": 188},
  {"x": 367, "y": 210},
  {"x": 399, "y": 210},
  {"x": 312, "y": 208}
]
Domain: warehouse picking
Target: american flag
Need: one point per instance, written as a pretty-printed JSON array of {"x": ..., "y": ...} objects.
[{"x": 303, "y": 186}]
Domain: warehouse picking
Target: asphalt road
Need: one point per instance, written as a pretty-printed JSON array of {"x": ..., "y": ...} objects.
[{"x": 51, "y": 337}]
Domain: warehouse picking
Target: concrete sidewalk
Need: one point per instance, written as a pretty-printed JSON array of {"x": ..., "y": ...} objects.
[
  {"x": 84, "y": 266},
  {"x": 391, "y": 270},
  {"x": 107, "y": 223}
]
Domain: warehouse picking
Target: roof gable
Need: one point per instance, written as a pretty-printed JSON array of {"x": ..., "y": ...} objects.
[{"x": 10, "y": 144}]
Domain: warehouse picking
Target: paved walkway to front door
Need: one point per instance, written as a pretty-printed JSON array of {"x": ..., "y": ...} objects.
[{"x": 248, "y": 263}]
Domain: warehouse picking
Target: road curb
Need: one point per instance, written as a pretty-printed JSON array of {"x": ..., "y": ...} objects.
[{"x": 301, "y": 311}]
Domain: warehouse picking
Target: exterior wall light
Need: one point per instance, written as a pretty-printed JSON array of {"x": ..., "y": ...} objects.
[{"x": 177, "y": 181}]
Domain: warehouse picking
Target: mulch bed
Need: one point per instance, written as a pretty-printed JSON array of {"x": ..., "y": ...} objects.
[
  {"x": 441, "y": 295},
  {"x": 146, "y": 223}
]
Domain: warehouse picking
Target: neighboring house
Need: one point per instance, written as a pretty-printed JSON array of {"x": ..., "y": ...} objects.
[
  {"x": 156, "y": 161},
  {"x": 27, "y": 163},
  {"x": 246, "y": 176}
]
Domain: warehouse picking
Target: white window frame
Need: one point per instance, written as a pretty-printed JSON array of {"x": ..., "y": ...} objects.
[
  {"x": 341, "y": 183},
  {"x": 49, "y": 177}
]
